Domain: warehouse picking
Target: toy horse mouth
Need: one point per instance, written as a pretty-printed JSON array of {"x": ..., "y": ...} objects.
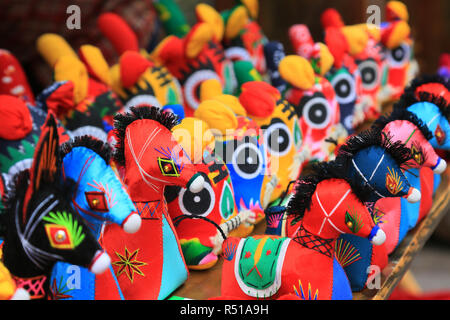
[
  {"x": 440, "y": 166},
  {"x": 413, "y": 195},
  {"x": 377, "y": 236},
  {"x": 100, "y": 263},
  {"x": 132, "y": 223}
]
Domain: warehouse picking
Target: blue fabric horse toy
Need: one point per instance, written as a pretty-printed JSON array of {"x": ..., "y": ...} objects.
[{"x": 99, "y": 197}]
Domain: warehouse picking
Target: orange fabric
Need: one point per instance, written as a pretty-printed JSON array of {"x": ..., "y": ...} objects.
[{"x": 15, "y": 118}]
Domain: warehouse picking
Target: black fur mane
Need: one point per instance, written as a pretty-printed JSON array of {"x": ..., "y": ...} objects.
[
  {"x": 373, "y": 137},
  {"x": 306, "y": 186},
  {"x": 408, "y": 98},
  {"x": 101, "y": 148},
  {"x": 403, "y": 114},
  {"x": 425, "y": 79},
  {"x": 122, "y": 121}
]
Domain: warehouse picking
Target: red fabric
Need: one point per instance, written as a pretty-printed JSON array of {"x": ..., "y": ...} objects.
[
  {"x": 13, "y": 79},
  {"x": 444, "y": 60},
  {"x": 105, "y": 286},
  {"x": 426, "y": 190},
  {"x": 331, "y": 18},
  {"x": 118, "y": 32},
  {"x": 61, "y": 100},
  {"x": 391, "y": 207},
  {"x": 435, "y": 89},
  {"x": 337, "y": 44},
  {"x": 15, "y": 118},
  {"x": 400, "y": 294},
  {"x": 259, "y": 98},
  {"x": 132, "y": 66}
]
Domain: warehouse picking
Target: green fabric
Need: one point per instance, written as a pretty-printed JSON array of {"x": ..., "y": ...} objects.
[
  {"x": 245, "y": 72},
  {"x": 172, "y": 18},
  {"x": 194, "y": 251}
]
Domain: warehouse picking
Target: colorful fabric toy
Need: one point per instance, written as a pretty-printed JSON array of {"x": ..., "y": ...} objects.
[
  {"x": 81, "y": 97},
  {"x": 197, "y": 56},
  {"x": 315, "y": 103},
  {"x": 444, "y": 65},
  {"x": 149, "y": 264},
  {"x": 434, "y": 86},
  {"x": 212, "y": 208},
  {"x": 243, "y": 38},
  {"x": 240, "y": 143},
  {"x": 282, "y": 134},
  {"x": 274, "y": 53},
  {"x": 137, "y": 79},
  {"x": 41, "y": 226},
  {"x": 304, "y": 265},
  {"x": 99, "y": 197},
  {"x": 19, "y": 134},
  {"x": 13, "y": 79}
]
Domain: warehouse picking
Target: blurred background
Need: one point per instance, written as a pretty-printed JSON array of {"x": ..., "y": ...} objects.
[{"x": 22, "y": 21}]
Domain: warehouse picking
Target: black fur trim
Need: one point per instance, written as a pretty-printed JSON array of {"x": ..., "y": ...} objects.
[
  {"x": 407, "y": 99},
  {"x": 101, "y": 148},
  {"x": 122, "y": 121},
  {"x": 403, "y": 114},
  {"x": 425, "y": 79},
  {"x": 373, "y": 137},
  {"x": 306, "y": 186}
]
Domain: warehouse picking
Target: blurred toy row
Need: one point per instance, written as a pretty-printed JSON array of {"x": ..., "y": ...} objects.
[{"x": 118, "y": 179}]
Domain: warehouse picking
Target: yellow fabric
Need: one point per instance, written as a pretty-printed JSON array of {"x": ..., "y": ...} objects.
[
  {"x": 93, "y": 57},
  {"x": 71, "y": 68},
  {"x": 356, "y": 37},
  {"x": 236, "y": 22},
  {"x": 7, "y": 284},
  {"x": 195, "y": 137},
  {"x": 233, "y": 103},
  {"x": 197, "y": 39},
  {"x": 217, "y": 115},
  {"x": 326, "y": 59},
  {"x": 252, "y": 7},
  {"x": 52, "y": 47},
  {"x": 209, "y": 89},
  {"x": 399, "y": 34},
  {"x": 297, "y": 71},
  {"x": 371, "y": 29},
  {"x": 399, "y": 8},
  {"x": 208, "y": 14}
]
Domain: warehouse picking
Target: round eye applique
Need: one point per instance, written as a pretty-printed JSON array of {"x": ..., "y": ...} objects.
[
  {"x": 370, "y": 73},
  {"x": 277, "y": 138},
  {"x": 192, "y": 86},
  {"x": 247, "y": 160},
  {"x": 198, "y": 204},
  {"x": 58, "y": 236},
  {"x": 96, "y": 201},
  {"x": 399, "y": 56},
  {"x": 63, "y": 231},
  {"x": 344, "y": 86},
  {"x": 168, "y": 167},
  {"x": 316, "y": 112},
  {"x": 440, "y": 135}
]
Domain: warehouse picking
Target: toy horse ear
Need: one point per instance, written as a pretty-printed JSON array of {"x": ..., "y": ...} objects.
[
  {"x": 395, "y": 34},
  {"x": 209, "y": 89},
  {"x": 331, "y": 18},
  {"x": 259, "y": 98},
  {"x": 167, "y": 50},
  {"x": 206, "y": 13},
  {"x": 297, "y": 71},
  {"x": 15, "y": 118},
  {"x": 235, "y": 19},
  {"x": 18, "y": 82},
  {"x": 196, "y": 39},
  {"x": 52, "y": 47},
  {"x": 337, "y": 44},
  {"x": 118, "y": 32},
  {"x": 326, "y": 59},
  {"x": 301, "y": 40},
  {"x": 357, "y": 38},
  {"x": 71, "y": 68},
  {"x": 44, "y": 170},
  {"x": 95, "y": 63},
  {"x": 396, "y": 10},
  {"x": 132, "y": 66},
  {"x": 217, "y": 115}
]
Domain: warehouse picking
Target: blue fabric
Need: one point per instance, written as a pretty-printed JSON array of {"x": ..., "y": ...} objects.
[
  {"x": 174, "y": 271},
  {"x": 357, "y": 270},
  {"x": 404, "y": 219},
  {"x": 176, "y": 109},
  {"x": 341, "y": 286},
  {"x": 367, "y": 160},
  {"x": 411, "y": 210},
  {"x": 67, "y": 277},
  {"x": 430, "y": 114},
  {"x": 274, "y": 53},
  {"x": 437, "y": 181}
]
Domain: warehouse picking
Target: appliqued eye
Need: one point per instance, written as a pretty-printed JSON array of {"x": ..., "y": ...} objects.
[
  {"x": 59, "y": 236},
  {"x": 399, "y": 56},
  {"x": 344, "y": 86},
  {"x": 278, "y": 139},
  {"x": 417, "y": 155},
  {"x": 247, "y": 160},
  {"x": 316, "y": 112},
  {"x": 168, "y": 167},
  {"x": 370, "y": 73},
  {"x": 192, "y": 86},
  {"x": 440, "y": 135},
  {"x": 197, "y": 204},
  {"x": 96, "y": 201}
]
